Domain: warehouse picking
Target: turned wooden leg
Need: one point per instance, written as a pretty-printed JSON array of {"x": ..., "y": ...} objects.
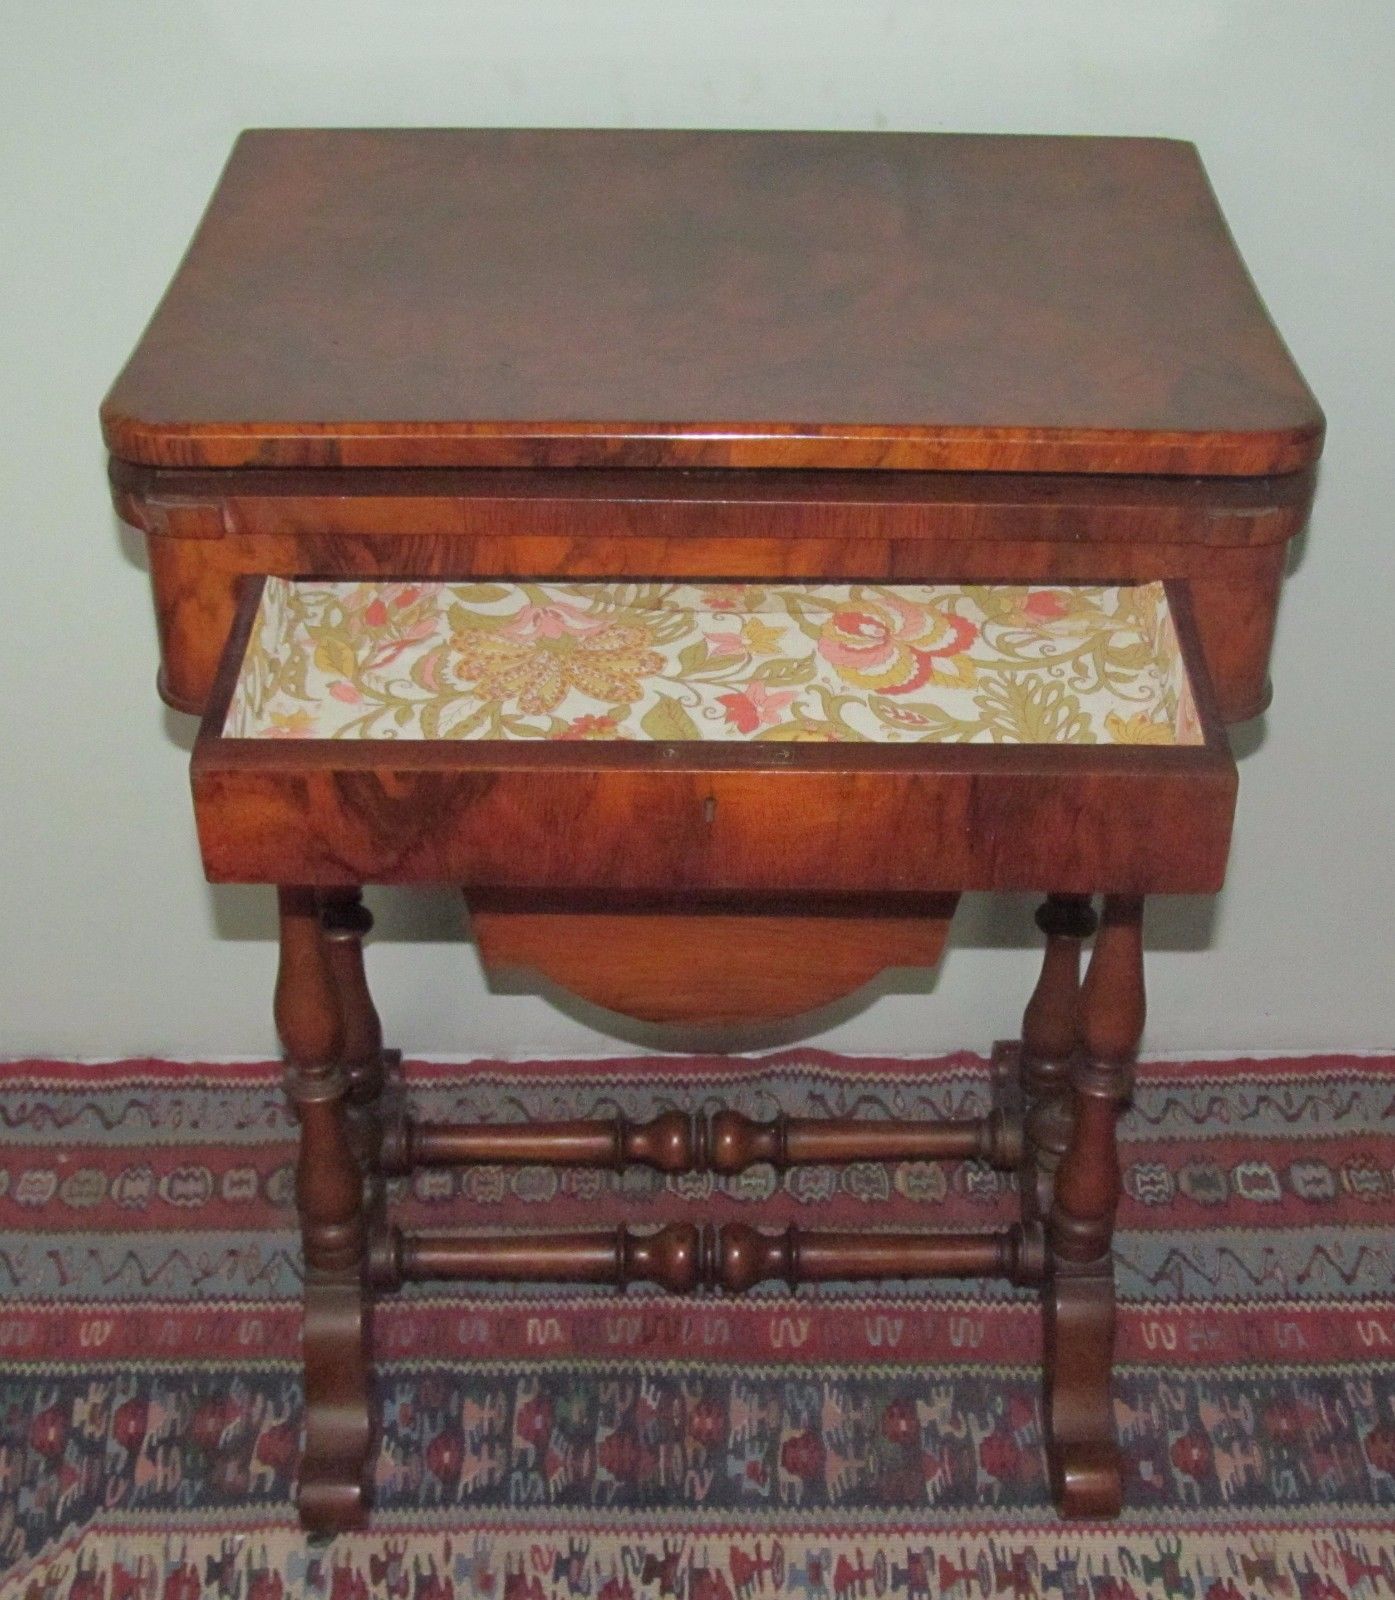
[
  {"x": 1051, "y": 1038},
  {"x": 329, "y": 1197},
  {"x": 373, "y": 1115},
  {"x": 1078, "y": 1300},
  {"x": 347, "y": 923}
]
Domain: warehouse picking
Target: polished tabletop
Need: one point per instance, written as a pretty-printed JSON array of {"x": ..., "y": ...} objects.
[{"x": 522, "y": 298}]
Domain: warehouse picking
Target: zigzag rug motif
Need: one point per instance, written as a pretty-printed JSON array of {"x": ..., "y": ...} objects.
[{"x": 837, "y": 1445}]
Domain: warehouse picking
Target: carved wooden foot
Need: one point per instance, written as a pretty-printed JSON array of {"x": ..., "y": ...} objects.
[
  {"x": 334, "y": 1482},
  {"x": 1078, "y": 1299},
  {"x": 1081, "y": 1450}
]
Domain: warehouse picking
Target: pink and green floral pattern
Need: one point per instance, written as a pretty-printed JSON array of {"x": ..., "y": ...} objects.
[{"x": 897, "y": 664}]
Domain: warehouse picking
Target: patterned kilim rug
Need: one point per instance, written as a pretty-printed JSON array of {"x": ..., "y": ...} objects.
[{"x": 839, "y": 1445}]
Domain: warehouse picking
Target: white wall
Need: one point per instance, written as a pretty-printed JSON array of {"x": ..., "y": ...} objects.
[{"x": 117, "y": 117}]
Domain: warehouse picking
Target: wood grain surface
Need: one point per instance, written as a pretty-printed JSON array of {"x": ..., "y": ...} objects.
[
  {"x": 644, "y": 820},
  {"x": 507, "y": 297}
]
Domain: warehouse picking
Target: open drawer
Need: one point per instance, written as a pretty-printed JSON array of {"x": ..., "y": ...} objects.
[{"x": 841, "y": 758}]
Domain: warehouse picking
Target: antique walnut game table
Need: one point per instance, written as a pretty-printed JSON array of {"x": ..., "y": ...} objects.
[{"x": 713, "y": 552}]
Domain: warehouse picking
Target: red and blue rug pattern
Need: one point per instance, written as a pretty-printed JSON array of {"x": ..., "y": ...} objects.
[{"x": 837, "y": 1445}]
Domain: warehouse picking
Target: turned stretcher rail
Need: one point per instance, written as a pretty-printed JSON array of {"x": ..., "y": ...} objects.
[
  {"x": 670, "y": 1257},
  {"x": 674, "y": 1142},
  {"x": 668, "y": 1143},
  {"x": 683, "y": 1257},
  {"x": 746, "y": 1256},
  {"x": 735, "y": 1142}
]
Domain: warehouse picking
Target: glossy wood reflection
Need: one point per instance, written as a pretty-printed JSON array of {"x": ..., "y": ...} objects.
[
  {"x": 736, "y": 1142},
  {"x": 666, "y": 1143},
  {"x": 746, "y": 1256},
  {"x": 670, "y": 1257},
  {"x": 647, "y": 299}
]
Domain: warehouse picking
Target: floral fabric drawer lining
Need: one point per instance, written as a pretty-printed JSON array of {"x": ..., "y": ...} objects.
[{"x": 661, "y": 661}]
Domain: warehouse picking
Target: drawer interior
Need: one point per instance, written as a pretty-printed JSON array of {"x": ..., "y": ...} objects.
[
  {"x": 641, "y": 739},
  {"x": 666, "y": 663},
  {"x": 719, "y": 802}
]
